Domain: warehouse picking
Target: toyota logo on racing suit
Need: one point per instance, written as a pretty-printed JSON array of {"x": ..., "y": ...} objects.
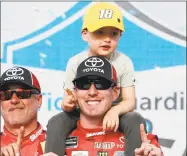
[
  {"x": 14, "y": 72},
  {"x": 94, "y": 62}
]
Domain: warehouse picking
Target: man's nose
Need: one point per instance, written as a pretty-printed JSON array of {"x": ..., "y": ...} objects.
[
  {"x": 14, "y": 99},
  {"x": 92, "y": 90}
]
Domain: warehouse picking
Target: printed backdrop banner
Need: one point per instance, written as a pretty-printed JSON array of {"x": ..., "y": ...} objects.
[{"x": 43, "y": 36}]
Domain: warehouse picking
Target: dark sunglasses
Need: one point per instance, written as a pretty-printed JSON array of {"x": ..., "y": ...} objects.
[
  {"x": 100, "y": 84},
  {"x": 21, "y": 94}
]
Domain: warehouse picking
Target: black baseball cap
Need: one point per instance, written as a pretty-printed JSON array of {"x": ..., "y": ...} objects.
[
  {"x": 96, "y": 66},
  {"x": 19, "y": 75}
]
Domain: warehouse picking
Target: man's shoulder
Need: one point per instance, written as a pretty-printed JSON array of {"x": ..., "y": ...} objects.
[
  {"x": 38, "y": 134},
  {"x": 4, "y": 139},
  {"x": 1, "y": 136},
  {"x": 151, "y": 136},
  {"x": 75, "y": 132},
  {"x": 153, "y": 139},
  {"x": 43, "y": 133},
  {"x": 116, "y": 134}
]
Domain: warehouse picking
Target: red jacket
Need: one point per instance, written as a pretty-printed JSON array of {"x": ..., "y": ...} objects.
[
  {"x": 95, "y": 142},
  {"x": 32, "y": 144}
]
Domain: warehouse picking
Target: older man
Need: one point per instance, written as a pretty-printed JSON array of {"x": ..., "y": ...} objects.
[
  {"x": 95, "y": 90},
  {"x": 21, "y": 97}
]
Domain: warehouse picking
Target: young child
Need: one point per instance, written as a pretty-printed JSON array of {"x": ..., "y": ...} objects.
[{"x": 102, "y": 29}]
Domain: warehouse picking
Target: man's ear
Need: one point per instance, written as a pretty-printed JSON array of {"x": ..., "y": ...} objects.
[
  {"x": 116, "y": 92},
  {"x": 39, "y": 100},
  {"x": 75, "y": 92},
  {"x": 75, "y": 96},
  {"x": 85, "y": 35}
]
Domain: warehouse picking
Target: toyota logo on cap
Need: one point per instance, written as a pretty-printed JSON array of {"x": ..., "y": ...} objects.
[
  {"x": 14, "y": 72},
  {"x": 94, "y": 62}
]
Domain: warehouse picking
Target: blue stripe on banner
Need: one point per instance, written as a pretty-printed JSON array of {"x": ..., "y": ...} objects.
[
  {"x": 146, "y": 50},
  {"x": 78, "y": 6}
]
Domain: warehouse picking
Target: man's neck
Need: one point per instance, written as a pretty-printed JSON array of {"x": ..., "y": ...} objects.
[
  {"x": 91, "y": 122},
  {"x": 14, "y": 129}
]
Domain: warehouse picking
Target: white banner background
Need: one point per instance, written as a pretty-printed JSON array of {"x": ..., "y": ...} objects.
[{"x": 166, "y": 83}]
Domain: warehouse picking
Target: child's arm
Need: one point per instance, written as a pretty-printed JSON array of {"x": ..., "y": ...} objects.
[
  {"x": 128, "y": 101},
  {"x": 111, "y": 119}
]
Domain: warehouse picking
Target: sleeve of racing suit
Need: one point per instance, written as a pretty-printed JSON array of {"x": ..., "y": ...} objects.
[{"x": 154, "y": 140}]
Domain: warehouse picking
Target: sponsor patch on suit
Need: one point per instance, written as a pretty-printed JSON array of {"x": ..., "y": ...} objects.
[
  {"x": 102, "y": 153},
  {"x": 119, "y": 153},
  {"x": 79, "y": 153},
  {"x": 71, "y": 142}
]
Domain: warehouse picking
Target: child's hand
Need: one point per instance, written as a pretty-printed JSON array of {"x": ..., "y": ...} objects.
[
  {"x": 111, "y": 121},
  {"x": 69, "y": 102}
]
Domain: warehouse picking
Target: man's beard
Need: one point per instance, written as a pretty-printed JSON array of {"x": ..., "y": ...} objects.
[{"x": 20, "y": 120}]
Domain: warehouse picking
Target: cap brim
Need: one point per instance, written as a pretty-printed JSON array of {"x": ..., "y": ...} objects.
[
  {"x": 95, "y": 27},
  {"x": 94, "y": 77},
  {"x": 18, "y": 82}
]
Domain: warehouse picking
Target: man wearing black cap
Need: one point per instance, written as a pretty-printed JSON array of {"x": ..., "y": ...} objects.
[
  {"x": 95, "y": 89},
  {"x": 21, "y": 97}
]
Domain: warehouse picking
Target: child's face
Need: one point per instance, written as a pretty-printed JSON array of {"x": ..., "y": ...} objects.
[{"x": 103, "y": 41}]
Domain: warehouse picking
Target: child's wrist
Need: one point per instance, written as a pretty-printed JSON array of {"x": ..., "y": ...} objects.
[{"x": 115, "y": 110}]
